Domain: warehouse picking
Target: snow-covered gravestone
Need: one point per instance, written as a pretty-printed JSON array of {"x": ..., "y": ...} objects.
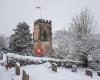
[
  {"x": 12, "y": 79},
  {"x": 17, "y": 68},
  {"x": 6, "y": 62},
  {"x": 54, "y": 67},
  {"x": 89, "y": 72},
  {"x": 25, "y": 76},
  {"x": 74, "y": 68},
  {"x": 1, "y": 55},
  {"x": 98, "y": 73}
]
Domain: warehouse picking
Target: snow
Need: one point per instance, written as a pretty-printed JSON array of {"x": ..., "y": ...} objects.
[
  {"x": 42, "y": 72},
  {"x": 90, "y": 70},
  {"x": 47, "y": 64},
  {"x": 39, "y": 59},
  {"x": 54, "y": 64},
  {"x": 17, "y": 63},
  {"x": 90, "y": 58},
  {"x": 30, "y": 57},
  {"x": 74, "y": 66}
]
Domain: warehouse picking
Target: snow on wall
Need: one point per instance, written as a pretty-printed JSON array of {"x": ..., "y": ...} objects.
[{"x": 27, "y": 60}]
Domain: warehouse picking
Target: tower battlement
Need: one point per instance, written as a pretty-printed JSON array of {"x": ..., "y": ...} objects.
[{"x": 42, "y": 21}]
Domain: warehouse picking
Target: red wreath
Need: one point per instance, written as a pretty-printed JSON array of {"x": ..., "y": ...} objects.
[{"x": 39, "y": 51}]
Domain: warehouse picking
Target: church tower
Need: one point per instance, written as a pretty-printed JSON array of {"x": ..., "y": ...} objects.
[{"x": 42, "y": 37}]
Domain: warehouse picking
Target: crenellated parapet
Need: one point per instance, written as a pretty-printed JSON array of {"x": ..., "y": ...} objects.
[{"x": 42, "y": 21}]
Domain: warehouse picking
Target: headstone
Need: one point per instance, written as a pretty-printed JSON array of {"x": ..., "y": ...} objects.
[
  {"x": 98, "y": 73},
  {"x": 25, "y": 76},
  {"x": 74, "y": 68},
  {"x": 6, "y": 62},
  {"x": 54, "y": 67},
  {"x": 59, "y": 63},
  {"x": 12, "y": 79},
  {"x": 89, "y": 72},
  {"x": 1, "y": 55},
  {"x": 17, "y": 67}
]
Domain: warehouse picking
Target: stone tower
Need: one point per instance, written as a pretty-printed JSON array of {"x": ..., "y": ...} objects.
[{"x": 42, "y": 37}]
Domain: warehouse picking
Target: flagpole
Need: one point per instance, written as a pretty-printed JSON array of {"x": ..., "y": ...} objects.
[
  {"x": 40, "y": 13},
  {"x": 38, "y": 7}
]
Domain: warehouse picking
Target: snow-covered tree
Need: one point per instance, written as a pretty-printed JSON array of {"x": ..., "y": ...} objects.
[
  {"x": 79, "y": 42},
  {"x": 2, "y": 42},
  {"x": 82, "y": 28},
  {"x": 96, "y": 53},
  {"x": 62, "y": 43},
  {"x": 21, "y": 41}
]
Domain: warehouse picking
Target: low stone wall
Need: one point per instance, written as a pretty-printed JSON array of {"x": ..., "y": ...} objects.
[
  {"x": 12, "y": 62},
  {"x": 23, "y": 62},
  {"x": 10, "y": 59}
]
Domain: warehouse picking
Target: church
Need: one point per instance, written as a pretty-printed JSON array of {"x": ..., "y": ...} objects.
[{"x": 42, "y": 36}]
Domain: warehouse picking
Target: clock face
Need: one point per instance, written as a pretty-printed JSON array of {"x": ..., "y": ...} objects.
[{"x": 39, "y": 51}]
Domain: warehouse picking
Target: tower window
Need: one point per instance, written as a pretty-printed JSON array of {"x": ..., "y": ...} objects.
[{"x": 44, "y": 35}]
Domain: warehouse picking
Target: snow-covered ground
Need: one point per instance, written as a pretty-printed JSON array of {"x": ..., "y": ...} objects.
[{"x": 44, "y": 72}]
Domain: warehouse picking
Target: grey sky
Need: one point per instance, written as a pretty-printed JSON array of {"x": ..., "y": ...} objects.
[{"x": 59, "y": 11}]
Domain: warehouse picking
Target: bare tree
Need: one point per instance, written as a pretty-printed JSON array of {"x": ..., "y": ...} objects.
[{"x": 83, "y": 24}]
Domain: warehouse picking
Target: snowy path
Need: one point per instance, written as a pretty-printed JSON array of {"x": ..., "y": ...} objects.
[{"x": 42, "y": 72}]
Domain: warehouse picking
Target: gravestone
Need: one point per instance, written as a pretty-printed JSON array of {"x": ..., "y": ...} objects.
[
  {"x": 74, "y": 68},
  {"x": 17, "y": 68},
  {"x": 89, "y": 72},
  {"x": 6, "y": 63},
  {"x": 98, "y": 73},
  {"x": 54, "y": 67},
  {"x": 25, "y": 76},
  {"x": 1, "y": 55}
]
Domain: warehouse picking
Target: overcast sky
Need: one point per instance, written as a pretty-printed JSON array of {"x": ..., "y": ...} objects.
[{"x": 59, "y": 11}]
